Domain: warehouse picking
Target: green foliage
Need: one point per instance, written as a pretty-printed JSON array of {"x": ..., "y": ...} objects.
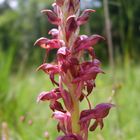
[
  {"x": 5, "y": 70},
  {"x": 21, "y": 28},
  {"x": 6, "y": 98},
  {"x": 120, "y": 124},
  {"x": 12, "y": 16}
]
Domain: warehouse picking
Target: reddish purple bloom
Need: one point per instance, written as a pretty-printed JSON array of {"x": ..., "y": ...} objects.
[
  {"x": 88, "y": 74},
  {"x": 51, "y": 70},
  {"x": 98, "y": 113},
  {"x": 87, "y": 42},
  {"x": 52, "y": 96},
  {"x": 67, "y": 100},
  {"x": 49, "y": 44},
  {"x": 76, "y": 77},
  {"x": 52, "y": 17},
  {"x": 64, "y": 121},
  {"x": 71, "y": 26},
  {"x": 84, "y": 16}
]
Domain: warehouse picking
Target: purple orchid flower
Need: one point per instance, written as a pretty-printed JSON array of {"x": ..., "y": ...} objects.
[
  {"x": 52, "y": 17},
  {"x": 84, "y": 16},
  {"x": 98, "y": 113},
  {"x": 51, "y": 70},
  {"x": 76, "y": 77},
  {"x": 64, "y": 121},
  {"x": 52, "y": 96}
]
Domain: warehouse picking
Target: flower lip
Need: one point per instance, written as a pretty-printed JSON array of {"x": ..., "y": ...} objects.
[
  {"x": 48, "y": 44},
  {"x": 87, "y": 42},
  {"x": 51, "y": 70},
  {"x": 40, "y": 41},
  {"x": 64, "y": 119},
  {"x": 48, "y": 68},
  {"x": 87, "y": 74},
  {"x": 52, "y": 95},
  {"x": 99, "y": 112}
]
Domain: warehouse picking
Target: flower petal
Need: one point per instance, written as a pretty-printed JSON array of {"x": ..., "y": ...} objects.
[
  {"x": 67, "y": 100},
  {"x": 51, "y": 70},
  {"x": 96, "y": 123},
  {"x": 63, "y": 51},
  {"x": 71, "y": 26},
  {"x": 99, "y": 112},
  {"x": 94, "y": 126},
  {"x": 60, "y": 2},
  {"x": 52, "y": 95},
  {"x": 79, "y": 40},
  {"x": 91, "y": 52},
  {"x": 64, "y": 121},
  {"x": 52, "y": 17},
  {"x": 54, "y": 32},
  {"x": 45, "y": 96},
  {"x": 49, "y": 44},
  {"x": 88, "y": 74},
  {"x": 90, "y": 85},
  {"x": 48, "y": 68},
  {"x": 55, "y": 105},
  {"x": 84, "y": 16},
  {"x": 41, "y": 42},
  {"x": 102, "y": 110},
  {"x": 88, "y": 42}
]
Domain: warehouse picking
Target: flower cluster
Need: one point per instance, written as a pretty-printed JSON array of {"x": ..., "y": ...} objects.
[{"x": 76, "y": 75}]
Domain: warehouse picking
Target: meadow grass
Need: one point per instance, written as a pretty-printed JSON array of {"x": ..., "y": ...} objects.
[{"x": 20, "y": 100}]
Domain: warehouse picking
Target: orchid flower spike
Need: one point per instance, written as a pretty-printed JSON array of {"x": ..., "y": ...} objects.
[{"x": 76, "y": 76}]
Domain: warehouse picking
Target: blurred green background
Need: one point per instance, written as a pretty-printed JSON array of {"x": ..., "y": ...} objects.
[{"x": 21, "y": 23}]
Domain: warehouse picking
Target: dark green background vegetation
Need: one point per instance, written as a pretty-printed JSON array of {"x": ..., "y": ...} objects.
[{"x": 20, "y": 84}]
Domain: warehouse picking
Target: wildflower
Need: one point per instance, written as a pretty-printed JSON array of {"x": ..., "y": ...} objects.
[
  {"x": 51, "y": 70},
  {"x": 98, "y": 113},
  {"x": 84, "y": 16},
  {"x": 64, "y": 121},
  {"x": 76, "y": 77},
  {"x": 52, "y": 17}
]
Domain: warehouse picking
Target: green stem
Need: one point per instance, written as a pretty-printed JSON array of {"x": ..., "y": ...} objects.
[
  {"x": 75, "y": 112},
  {"x": 75, "y": 118}
]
